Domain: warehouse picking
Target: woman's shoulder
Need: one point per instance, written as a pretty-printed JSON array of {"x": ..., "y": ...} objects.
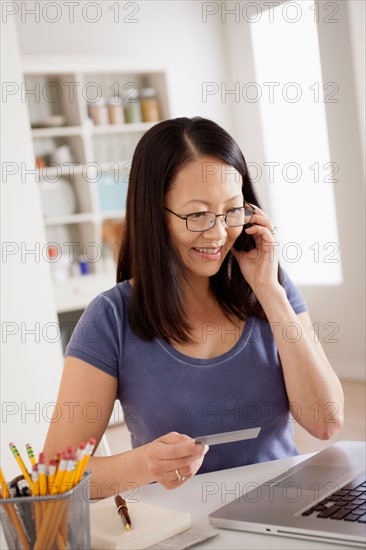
[
  {"x": 119, "y": 292},
  {"x": 100, "y": 331},
  {"x": 110, "y": 303}
]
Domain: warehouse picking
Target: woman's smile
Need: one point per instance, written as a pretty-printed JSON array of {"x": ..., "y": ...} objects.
[{"x": 209, "y": 253}]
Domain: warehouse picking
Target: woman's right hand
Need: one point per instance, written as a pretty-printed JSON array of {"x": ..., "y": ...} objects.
[{"x": 172, "y": 452}]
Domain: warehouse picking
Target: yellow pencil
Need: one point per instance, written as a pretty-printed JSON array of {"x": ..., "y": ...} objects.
[
  {"x": 57, "y": 459},
  {"x": 56, "y": 488},
  {"x": 84, "y": 461},
  {"x": 4, "y": 487},
  {"x": 12, "y": 513},
  {"x": 19, "y": 460},
  {"x": 70, "y": 468},
  {"x": 35, "y": 480},
  {"x": 30, "y": 452},
  {"x": 42, "y": 475},
  {"x": 51, "y": 472},
  {"x": 80, "y": 455},
  {"x": 35, "y": 493}
]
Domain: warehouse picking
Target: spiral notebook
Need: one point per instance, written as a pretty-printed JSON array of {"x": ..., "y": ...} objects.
[{"x": 150, "y": 524}]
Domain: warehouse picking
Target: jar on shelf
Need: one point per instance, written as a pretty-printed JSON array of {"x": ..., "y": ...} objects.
[
  {"x": 98, "y": 112},
  {"x": 60, "y": 264},
  {"x": 115, "y": 110},
  {"x": 132, "y": 108},
  {"x": 149, "y": 105}
]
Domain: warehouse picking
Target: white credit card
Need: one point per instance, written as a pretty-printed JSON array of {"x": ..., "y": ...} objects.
[{"x": 228, "y": 437}]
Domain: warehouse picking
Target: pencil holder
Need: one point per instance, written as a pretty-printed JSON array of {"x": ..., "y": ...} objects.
[{"x": 59, "y": 521}]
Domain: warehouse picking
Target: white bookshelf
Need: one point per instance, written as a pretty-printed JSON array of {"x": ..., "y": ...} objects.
[{"x": 100, "y": 154}]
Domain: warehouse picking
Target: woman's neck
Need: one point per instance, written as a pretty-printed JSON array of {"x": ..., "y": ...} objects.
[{"x": 198, "y": 292}]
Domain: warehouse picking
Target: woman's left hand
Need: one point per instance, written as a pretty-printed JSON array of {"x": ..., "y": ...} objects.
[{"x": 259, "y": 266}]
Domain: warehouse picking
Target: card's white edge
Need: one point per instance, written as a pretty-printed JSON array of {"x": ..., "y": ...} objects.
[{"x": 238, "y": 435}]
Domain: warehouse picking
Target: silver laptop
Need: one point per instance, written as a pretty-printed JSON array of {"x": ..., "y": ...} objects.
[{"x": 323, "y": 498}]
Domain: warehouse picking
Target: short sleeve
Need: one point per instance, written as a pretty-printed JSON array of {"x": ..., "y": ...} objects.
[
  {"x": 293, "y": 295},
  {"x": 96, "y": 337}
]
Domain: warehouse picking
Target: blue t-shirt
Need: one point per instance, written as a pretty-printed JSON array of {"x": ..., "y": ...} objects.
[{"x": 162, "y": 390}]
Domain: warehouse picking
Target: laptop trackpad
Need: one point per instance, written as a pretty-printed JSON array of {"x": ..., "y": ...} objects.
[{"x": 306, "y": 477}]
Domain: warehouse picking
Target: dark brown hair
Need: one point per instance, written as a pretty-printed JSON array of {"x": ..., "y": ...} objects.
[{"x": 147, "y": 253}]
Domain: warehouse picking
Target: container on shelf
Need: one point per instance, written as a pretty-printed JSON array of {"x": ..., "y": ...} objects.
[
  {"x": 115, "y": 110},
  {"x": 98, "y": 112},
  {"x": 84, "y": 266},
  {"x": 61, "y": 155},
  {"x": 57, "y": 198},
  {"x": 60, "y": 264},
  {"x": 149, "y": 105},
  {"x": 132, "y": 107}
]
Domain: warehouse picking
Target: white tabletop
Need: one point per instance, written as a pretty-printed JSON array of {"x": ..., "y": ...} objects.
[{"x": 205, "y": 493}]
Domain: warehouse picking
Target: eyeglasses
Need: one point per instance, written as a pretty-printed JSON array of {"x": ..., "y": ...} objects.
[{"x": 202, "y": 221}]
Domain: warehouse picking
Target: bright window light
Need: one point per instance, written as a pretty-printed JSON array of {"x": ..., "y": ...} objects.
[{"x": 300, "y": 173}]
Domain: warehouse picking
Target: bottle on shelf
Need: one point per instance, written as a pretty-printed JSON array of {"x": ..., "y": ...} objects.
[
  {"x": 98, "y": 112},
  {"x": 60, "y": 264},
  {"x": 84, "y": 266},
  {"x": 61, "y": 155},
  {"x": 149, "y": 105},
  {"x": 132, "y": 107},
  {"x": 115, "y": 110}
]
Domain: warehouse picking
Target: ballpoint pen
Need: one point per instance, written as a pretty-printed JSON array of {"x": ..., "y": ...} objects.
[{"x": 123, "y": 511}]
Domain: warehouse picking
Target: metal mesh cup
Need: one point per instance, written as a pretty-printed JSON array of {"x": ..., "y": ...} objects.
[{"x": 48, "y": 522}]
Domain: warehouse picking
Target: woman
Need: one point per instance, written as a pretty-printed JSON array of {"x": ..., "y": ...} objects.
[{"x": 203, "y": 332}]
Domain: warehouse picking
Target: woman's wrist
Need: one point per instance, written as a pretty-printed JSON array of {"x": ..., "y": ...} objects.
[
  {"x": 270, "y": 295},
  {"x": 142, "y": 459},
  {"x": 123, "y": 470},
  {"x": 274, "y": 301}
]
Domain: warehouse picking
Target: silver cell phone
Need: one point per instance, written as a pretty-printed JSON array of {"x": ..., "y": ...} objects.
[{"x": 228, "y": 437}]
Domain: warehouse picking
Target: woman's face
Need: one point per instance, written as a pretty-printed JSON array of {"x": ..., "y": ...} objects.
[{"x": 206, "y": 184}]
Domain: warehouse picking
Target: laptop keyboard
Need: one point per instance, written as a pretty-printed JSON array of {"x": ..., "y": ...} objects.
[{"x": 347, "y": 504}]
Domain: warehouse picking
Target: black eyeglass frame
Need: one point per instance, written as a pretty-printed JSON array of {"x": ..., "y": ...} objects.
[{"x": 216, "y": 216}]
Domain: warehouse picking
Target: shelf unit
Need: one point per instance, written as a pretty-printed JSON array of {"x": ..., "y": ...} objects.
[{"x": 98, "y": 158}]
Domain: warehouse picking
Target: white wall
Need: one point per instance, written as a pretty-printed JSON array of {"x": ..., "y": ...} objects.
[
  {"x": 31, "y": 364},
  {"x": 357, "y": 18},
  {"x": 345, "y": 304}
]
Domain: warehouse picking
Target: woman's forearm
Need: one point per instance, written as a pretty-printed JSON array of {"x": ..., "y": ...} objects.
[
  {"x": 118, "y": 473},
  {"x": 314, "y": 391}
]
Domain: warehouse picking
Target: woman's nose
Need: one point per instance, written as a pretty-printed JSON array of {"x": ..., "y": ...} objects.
[{"x": 218, "y": 231}]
